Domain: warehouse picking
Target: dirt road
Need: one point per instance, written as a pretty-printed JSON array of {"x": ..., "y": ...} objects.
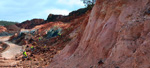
[{"x": 12, "y": 51}]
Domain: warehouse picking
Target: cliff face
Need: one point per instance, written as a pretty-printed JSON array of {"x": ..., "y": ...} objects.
[{"x": 116, "y": 36}]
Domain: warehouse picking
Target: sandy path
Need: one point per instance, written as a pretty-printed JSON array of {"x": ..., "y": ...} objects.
[
  {"x": 12, "y": 51},
  {"x": 4, "y": 38}
]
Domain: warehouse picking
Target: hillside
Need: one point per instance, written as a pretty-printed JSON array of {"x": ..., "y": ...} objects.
[
  {"x": 29, "y": 24},
  {"x": 4, "y": 23}
]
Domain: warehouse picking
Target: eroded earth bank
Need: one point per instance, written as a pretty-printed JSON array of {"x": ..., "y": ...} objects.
[{"x": 116, "y": 36}]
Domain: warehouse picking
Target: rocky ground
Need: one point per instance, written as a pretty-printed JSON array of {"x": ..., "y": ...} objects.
[{"x": 42, "y": 55}]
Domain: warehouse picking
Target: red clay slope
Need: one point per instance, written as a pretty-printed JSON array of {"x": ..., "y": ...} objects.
[
  {"x": 117, "y": 34},
  {"x": 46, "y": 27},
  {"x": 2, "y": 29}
]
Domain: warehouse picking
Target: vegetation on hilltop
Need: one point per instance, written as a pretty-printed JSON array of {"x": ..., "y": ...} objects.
[
  {"x": 5, "y": 23},
  {"x": 88, "y": 2}
]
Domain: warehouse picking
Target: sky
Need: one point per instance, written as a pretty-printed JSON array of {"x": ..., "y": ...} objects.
[{"x": 22, "y": 10}]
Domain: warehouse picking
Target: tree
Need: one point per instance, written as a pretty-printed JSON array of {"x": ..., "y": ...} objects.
[{"x": 88, "y": 2}]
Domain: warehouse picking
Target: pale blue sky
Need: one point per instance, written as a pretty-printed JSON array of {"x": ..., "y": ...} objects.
[{"x": 21, "y": 10}]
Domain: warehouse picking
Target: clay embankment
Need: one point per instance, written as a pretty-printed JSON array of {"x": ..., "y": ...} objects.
[{"x": 116, "y": 36}]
